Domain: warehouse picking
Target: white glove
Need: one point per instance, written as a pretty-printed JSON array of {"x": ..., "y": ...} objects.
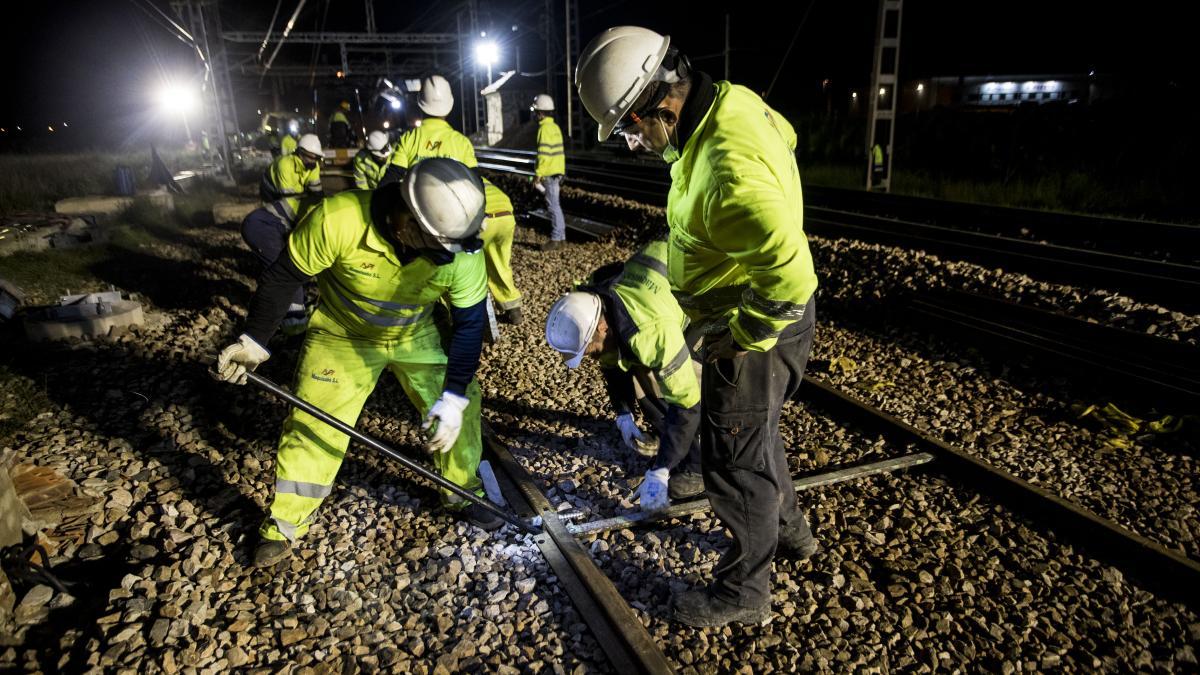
[
  {"x": 448, "y": 412},
  {"x": 235, "y": 360},
  {"x": 629, "y": 430},
  {"x": 653, "y": 494}
]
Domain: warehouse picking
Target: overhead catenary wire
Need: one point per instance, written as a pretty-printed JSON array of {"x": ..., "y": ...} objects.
[
  {"x": 791, "y": 44},
  {"x": 270, "y": 27},
  {"x": 287, "y": 30}
]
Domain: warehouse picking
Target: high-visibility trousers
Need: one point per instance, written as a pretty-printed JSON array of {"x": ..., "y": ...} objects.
[
  {"x": 337, "y": 374},
  {"x": 497, "y": 253}
]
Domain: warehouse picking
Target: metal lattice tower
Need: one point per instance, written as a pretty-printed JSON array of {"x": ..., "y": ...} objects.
[
  {"x": 884, "y": 94},
  {"x": 203, "y": 19}
]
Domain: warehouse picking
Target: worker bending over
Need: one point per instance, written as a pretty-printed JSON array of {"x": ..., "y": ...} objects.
[
  {"x": 290, "y": 186},
  {"x": 385, "y": 261},
  {"x": 372, "y": 162},
  {"x": 626, "y": 317},
  {"x": 740, "y": 267}
]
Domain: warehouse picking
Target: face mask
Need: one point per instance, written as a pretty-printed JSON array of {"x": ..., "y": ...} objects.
[{"x": 670, "y": 153}]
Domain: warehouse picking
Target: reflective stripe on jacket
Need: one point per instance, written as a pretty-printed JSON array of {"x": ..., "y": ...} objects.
[
  {"x": 434, "y": 138},
  {"x": 551, "y": 157},
  {"x": 366, "y": 292},
  {"x": 738, "y": 255}
]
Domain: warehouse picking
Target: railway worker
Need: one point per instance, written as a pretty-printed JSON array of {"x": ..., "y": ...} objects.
[
  {"x": 550, "y": 168},
  {"x": 739, "y": 264},
  {"x": 341, "y": 134},
  {"x": 372, "y": 162},
  {"x": 290, "y": 186},
  {"x": 627, "y": 319},
  {"x": 434, "y": 137},
  {"x": 497, "y": 238},
  {"x": 384, "y": 259}
]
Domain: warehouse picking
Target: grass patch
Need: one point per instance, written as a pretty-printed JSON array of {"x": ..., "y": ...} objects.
[{"x": 21, "y": 399}]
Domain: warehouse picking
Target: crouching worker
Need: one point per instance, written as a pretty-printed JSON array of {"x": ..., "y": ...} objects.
[
  {"x": 626, "y": 317},
  {"x": 290, "y": 186},
  {"x": 383, "y": 260}
]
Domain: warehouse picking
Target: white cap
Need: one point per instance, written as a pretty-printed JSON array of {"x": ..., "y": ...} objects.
[
  {"x": 542, "y": 102},
  {"x": 436, "y": 99},
  {"x": 614, "y": 69},
  {"x": 447, "y": 199},
  {"x": 377, "y": 142},
  {"x": 311, "y": 144},
  {"x": 572, "y": 323}
]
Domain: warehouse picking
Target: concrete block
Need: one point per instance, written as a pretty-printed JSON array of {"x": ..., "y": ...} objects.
[
  {"x": 106, "y": 208},
  {"x": 84, "y": 316},
  {"x": 232, "y": 212}
]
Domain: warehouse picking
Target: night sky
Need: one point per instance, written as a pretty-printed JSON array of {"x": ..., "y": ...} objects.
[{"x": 95, "y": 64}]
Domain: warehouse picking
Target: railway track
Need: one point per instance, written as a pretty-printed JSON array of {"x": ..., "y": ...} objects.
[
  {"x": 1085, "y": 251},
  {"x": 630, "y": 648}
]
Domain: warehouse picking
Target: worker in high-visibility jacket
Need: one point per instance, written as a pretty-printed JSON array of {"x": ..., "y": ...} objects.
[
  {"x": 388, "y": 262},
  {"x": 497, "y": 251},
  {"x": 626, "y": 317},
  {"x": 290, "y": 186},
  {"x": 434, "y": 137},
  {"x": 341, "y": 134},
  {"x": 740, "y": 266},
  {"x": 287, "y": 145},
  {"x": 371, "y": 162},
  {"x": 550, "y": 168}
]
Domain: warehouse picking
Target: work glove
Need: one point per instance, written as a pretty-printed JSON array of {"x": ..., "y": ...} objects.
[
  {"x": 239, "y": 358},
  {"x": 652, "y": 495},
  {"x": 630, "y": 433},
  {"x": 447, "y": 412},
  {"x": 722, "y": 346}
]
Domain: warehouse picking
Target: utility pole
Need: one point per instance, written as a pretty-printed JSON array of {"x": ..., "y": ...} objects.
[
  {"x": 370, "y": 7},
  {"x": 884, "y": 92},
  {"x": 547, "y": 24},
  {"x": 567, "y": 52}
]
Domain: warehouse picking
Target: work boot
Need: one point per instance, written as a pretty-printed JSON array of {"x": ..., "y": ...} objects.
[
  {"x": 700, "y": 608},
  {"x": 511, "y": 316},
  {"x": 685, "y": 484},
  {"x": 270, "y": 551},
  {"x": 797, "y": 543},
  {"x": 553, "y": 245},
  {"x": 480, "y": 517}
]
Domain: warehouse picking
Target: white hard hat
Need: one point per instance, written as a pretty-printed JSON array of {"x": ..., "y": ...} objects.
[
  {"x": 436, "y": 98},
  {"x": 572, "y": 323},
  {"x": 448, "y": 201},
  {"x": 377, "y": 142},
  {"x": 311, "y": 144},
  {"x": 614, "y": 69},
  {"x": 542, "y": 102}
]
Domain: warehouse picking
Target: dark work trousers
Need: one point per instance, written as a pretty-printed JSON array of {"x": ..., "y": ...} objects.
[
  {"x": 266, "y": 235},
  {"x": 745, "y": 462}
]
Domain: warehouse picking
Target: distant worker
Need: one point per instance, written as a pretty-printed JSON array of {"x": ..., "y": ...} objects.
[
  {"x": 371, "y": 162},
  {"x": 626, "y": 317},
  {"x": 434, "y": 137},
  {"x": 497, "y": 251},
  {"x": 550, "y": 168},
  {"x": 877, "y": 167},
  {"x": 417, "y": 242},
  {"x": 290, "y": 187},
  {"x": 341, "y": 134},
  {"x": 740, "y": 266}
]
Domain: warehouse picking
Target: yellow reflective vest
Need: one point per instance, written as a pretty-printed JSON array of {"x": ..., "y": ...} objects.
[
  {"x": 434, "y": 138},
  {"x": 738, "y": 254},
  {"x": 287, "y": 145},
  {"x": 366, "y": 291},
  {"x": 551, "y": 157},
  {"x": 368, "y": 171}
]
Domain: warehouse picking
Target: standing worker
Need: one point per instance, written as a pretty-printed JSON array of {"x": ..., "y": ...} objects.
[
  {"x": 287, "y": 144},
  {"x": 740, "y": 267},
  {"x": 626, "y": 317},
  {"x": 290, "y": 186},
  {"x": 341, "y": 134},
  {"x": 434, "y": 137},
  {"x": 384, "y": 260},
  {"x": 550, "y": 168},
  {"x": 497, "y": 251},
  {"x": 372, "y": 162}
]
